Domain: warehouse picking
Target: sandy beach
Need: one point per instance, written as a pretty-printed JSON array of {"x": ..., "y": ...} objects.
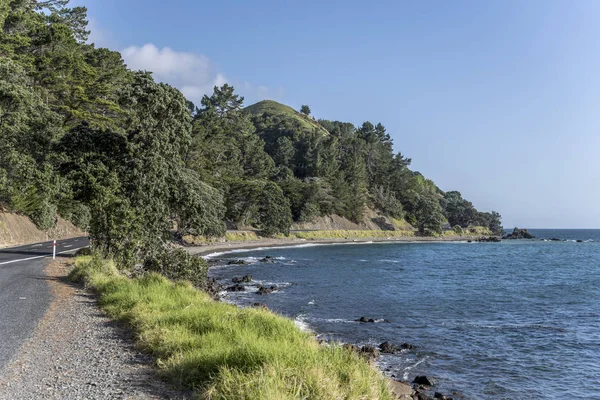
[{"x": 255, "y": 244}]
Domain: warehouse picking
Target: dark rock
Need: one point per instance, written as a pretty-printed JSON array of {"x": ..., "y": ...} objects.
[
  {"x": 388, "y": 348},
  {"x": 493, "y": 239},
  {"x": 407, "y": 346},
  {"x": 351, "y": 347},
  {"x": 554, "y": 240},
  {"x": 262, "y": 290},
  {"x": 519, "y": 234},
  {"x": 267, "y": 259},
  {"x": 469, "y": 241},
  {"x": 236, "y": 288},
  {"x": 422, "y": 380},
  {"x": 438, "y": 395},
  {"x": 243, "y": 279},
  {"x": 369, "y": 352},
  {"x": 420, "y": 396},
  {"x": 579, "y": 241},
  {"x": 365, "y": 319},
  {"x": 260, "y": 305},
  {"x": 238, "y": 262}
]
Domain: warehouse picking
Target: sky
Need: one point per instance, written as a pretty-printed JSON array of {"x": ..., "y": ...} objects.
[{"x": 497, "y": 99}]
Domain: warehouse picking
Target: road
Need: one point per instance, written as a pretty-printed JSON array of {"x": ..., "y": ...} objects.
[{"x": 24, "y": 290}]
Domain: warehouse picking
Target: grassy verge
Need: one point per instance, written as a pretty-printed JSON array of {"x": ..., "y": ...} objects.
[
  {"x": 222, "y": 351},
  {"x": 349, "y": 234},
  {"x": 471, "y": 231}
]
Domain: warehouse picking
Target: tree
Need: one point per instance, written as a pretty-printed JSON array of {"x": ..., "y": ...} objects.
[
  {"x": 305, "y": 110},
  {"x": 429, "y": 216},
  {"x": 135, "y": 182},
  {"x": 259, "y": 203},
  {"x": 225, "y": 146}
]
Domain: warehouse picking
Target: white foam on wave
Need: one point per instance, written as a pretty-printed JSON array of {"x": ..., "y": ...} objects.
[
  {"x": 291, "y": 246},
  {"x": 411, "y": 367},
  {"x": 390, "y": 261},
  {"x": 269, "y": 283},
  {"x": 301, "y": 323},
  {"x": 330, "y": 320}
]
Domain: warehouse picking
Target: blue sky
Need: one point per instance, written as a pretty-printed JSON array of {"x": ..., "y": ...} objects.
[{"x": 496, "y": 99}]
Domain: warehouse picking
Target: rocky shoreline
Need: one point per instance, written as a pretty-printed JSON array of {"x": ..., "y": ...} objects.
[{"x": 420, "y": 388}]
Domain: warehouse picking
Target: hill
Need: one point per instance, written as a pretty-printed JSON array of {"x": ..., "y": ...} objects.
[{"x": 275, "y": 108}]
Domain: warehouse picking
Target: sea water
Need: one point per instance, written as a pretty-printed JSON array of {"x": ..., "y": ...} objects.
[{"x": 513, "y": 320}]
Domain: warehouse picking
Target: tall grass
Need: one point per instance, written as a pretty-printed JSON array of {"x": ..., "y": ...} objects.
[
  {"x": 470, "y": 231},
  {"x": 222, "y": 351},
  {"x": 350, "y": 234}
]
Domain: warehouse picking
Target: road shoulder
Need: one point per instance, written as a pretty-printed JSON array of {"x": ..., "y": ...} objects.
[{"x": 78, "y": 352}]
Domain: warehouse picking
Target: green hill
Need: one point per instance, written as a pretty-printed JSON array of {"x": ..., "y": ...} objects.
[{"x": 275, "y": 108}]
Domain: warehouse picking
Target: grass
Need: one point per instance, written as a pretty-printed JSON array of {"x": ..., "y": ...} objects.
[
  {"x": 349, "y": 234},
  {"x": 404, "y": 231},
  {"x": 222, "y": 351},
  {"x": 230, "y": 236},
  {"x": 241, "y": 236},
  {"x": 276, "y": 108},
  {"x": 470, "y": 231}
]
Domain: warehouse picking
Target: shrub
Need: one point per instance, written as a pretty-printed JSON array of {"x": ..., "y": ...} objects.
[
  {"x": 44, "y": 217},
  {"x": 179, "y": 265},
  {"x": 309, "y": 212}
]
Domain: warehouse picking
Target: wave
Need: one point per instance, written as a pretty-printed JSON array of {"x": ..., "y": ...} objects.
[
  {"x": 301, "y": 323},
  {"x": 514, "y": 327},
  {"x": 247, "y": 250},
  {"x": 411, "y": 367}
]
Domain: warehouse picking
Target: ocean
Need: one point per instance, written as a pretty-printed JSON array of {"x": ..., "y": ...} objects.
[{"x": 518, "y": 319}]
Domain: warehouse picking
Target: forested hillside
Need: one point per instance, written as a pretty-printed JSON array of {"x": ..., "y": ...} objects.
[{"x": 130, "y": 159}]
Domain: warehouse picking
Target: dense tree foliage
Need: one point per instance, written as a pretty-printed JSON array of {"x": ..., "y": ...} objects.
[
  {"x": 134, "y": 162},
  {"x": 305, "y": 109}
]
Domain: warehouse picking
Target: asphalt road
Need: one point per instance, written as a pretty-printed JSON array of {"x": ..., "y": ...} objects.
[{"x": 24, "y": 291}]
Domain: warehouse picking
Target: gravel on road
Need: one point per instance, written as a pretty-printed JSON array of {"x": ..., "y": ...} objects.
[{"x": 77, "y": 352}]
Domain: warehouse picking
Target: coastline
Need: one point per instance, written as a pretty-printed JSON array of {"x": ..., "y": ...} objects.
[
  {"x": 225, "y": 247},
  {"x": 402, "y": 389}
]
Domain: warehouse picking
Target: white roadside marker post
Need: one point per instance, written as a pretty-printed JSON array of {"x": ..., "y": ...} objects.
[{"x": 54, "y": 251}]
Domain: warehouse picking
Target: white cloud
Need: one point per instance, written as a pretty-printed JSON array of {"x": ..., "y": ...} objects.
[
  {"x": 193, "y": 74},
  {"x": 99, "y": 36}
]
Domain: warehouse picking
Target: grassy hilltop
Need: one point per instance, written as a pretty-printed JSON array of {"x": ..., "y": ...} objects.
[{"x": 275, "y": 108}]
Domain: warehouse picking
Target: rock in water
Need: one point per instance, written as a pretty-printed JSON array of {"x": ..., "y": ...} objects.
[
  {"x": 238, "y": 262},
  {"x": 262, "y": 290},
  {"x": 236, "y": 288},
  {"x": 388, "y": 348},
  {"x": 244, "y": 279},
  {"x": 519, "y": 234},
  {"x": 422, "y": 380},
  {"x": 365, "y": 319},
  {"x": 369, "y": 352}
]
